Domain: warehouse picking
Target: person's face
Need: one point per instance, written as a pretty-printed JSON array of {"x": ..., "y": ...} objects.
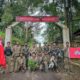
[
  {"x": 17, "y": 44},
  {"x": 25, "y": 45},
  {"x": 8, "y": 44},
  {"x": 34, "y": 55},
  {"x": 21, "y": 55},
  {"x": 54, "y": 45},
  {"x": 53, "y": 57},
  {"x": 67, "y": 44},
  {"x": 50, "y": 47}
]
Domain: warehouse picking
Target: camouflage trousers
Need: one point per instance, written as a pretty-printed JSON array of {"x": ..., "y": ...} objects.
[
  {"x": 1, "y": 69},
  {"x": 18, "y": 64},
  {"x": 66, "y": 63},
  {"x": 10, "y": 63},
  {"x": 15, "y": 61}
]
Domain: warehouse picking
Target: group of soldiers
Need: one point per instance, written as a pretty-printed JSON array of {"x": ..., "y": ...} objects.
[
  {"x": 15, "y": 57},
  {"x": 22, "y": 57}
]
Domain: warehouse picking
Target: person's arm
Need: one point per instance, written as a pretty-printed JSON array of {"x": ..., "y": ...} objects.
[
  {"x": 5, "y": 50},
  {"x": 11, "y": 51},
  {"x": 64, "y": 49},
  {"x": 13, "y": 48}
]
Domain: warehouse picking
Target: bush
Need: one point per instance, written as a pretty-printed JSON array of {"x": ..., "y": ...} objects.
[{"x": 32, "y": 65}]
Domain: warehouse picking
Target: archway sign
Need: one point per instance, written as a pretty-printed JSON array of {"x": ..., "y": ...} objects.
[
  {"x": 37, "y": 19},
  {"x": 45, "y": 19}
]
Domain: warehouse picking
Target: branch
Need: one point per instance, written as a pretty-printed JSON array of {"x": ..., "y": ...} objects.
[
  {"x": 61, "y": 25},
  {"x": 13, "y": 24}
]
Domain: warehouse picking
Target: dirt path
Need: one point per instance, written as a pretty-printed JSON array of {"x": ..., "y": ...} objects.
[{"x": 32, "y": 76}]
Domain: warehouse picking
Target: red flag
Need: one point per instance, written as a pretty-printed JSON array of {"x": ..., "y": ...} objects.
[
  {"x": 74, "y": 53},
  {"x": 2, "y": 56}
]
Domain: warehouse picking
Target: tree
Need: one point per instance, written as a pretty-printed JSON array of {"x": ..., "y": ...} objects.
[
  {"x": 50, "y": 9},
  {"x": 7, "y": 16},
  {"x": 15, "y": 8},
  {"x": 53, "y": 32}
]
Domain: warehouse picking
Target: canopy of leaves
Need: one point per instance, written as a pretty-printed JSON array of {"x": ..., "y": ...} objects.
[
  {"x": 34, "y": 3},
  {"x": 53, "y": 32},
  {"x": 20, "y": 7},
  {"x": 7, "y": 16},
  {"x": 51, "y": 9}
]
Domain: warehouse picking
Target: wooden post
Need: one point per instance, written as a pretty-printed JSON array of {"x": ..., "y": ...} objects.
[
  {"x": 66, "y": 37},
  {"x": 8, "y": 35}
]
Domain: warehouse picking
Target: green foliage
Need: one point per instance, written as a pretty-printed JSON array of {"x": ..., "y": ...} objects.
[
  {"x": 76, "y": 4},
  {"x": 20, "y": 7},
  {"x": 18, "y": 10},
  {"x": 7, "y": 16},
  {"x": 35, "y": 3},
  {"x": 29, "y": 38},
  {"x": 51, "y": 8},
  {"x": 15, "y": 39},
  {"x": 13, "y": 9},
  {"x": 18, "y": 31},
  {"x": 53, "y": 32},
  {"x": 32, "y": 64},
  {"x": 2, "y": 34}
]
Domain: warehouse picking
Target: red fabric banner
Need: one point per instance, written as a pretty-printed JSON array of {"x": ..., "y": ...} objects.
[
  {"x": 74, "y": 53},
  {"x": 50, "y": 19},
  {"x": 37, "y": 19}
]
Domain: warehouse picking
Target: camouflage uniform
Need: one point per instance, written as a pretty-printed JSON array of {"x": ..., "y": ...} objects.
[
  {"x": 26, "y": 54},
  {"x": 20, "y": 63},
  {"x": 34, "y": 49},
  {"x": 66, "y": 58},
  {"x": 10, "y": 62},
  {"x": 16, "y": 52},
  {"x": 22, "y": 49}
]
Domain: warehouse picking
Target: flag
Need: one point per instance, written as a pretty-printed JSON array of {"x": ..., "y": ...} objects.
[{"x": 74, "y": 53}]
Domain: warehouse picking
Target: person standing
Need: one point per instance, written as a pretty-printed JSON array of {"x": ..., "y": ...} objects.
[
  {"x": 66, "y": 50},
  {"x": 66, "y": 56},
  {"x": 2, "y": 56},
  {"x": 26, "y": 54},
  {"x": 16, "y": 52},
  {"x": 8, "y": 53}
]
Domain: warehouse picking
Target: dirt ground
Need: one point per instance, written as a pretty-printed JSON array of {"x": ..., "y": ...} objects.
[
  {"x": 32, "y": 76},
  {"x": 72, "y": 74}
]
